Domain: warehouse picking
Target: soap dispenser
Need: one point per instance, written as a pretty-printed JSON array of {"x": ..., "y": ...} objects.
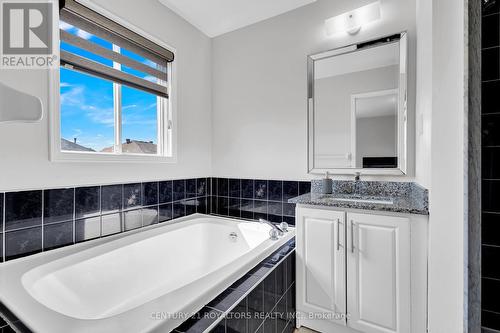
[{"x": 326, "y": 184}]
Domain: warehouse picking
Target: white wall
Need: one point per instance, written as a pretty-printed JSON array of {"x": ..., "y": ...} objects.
[
  {"x": 447, "y": 226},
  {"x": 24, "y": 148},
  {"x": 260, "y": 123}
]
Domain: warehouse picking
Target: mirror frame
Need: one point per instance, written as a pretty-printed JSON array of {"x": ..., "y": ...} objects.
[{"x": 402, "y": 139}]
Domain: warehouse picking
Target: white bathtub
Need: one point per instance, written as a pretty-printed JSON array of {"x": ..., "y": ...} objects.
[{"x": 119, "y": 283}]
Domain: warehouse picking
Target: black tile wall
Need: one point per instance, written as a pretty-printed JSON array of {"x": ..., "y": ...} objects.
[
  {"x": 263, "y": 301},
  {"x": 254, "y": 199},
  {"x": 490, "y": 161},
  {"x": 43, "y": 220}
]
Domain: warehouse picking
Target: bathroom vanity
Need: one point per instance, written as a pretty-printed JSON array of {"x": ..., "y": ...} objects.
[{"x": 362, "y": 259}]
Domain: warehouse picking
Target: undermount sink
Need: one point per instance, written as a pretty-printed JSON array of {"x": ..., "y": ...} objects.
[{"x": 360, "y": 200}]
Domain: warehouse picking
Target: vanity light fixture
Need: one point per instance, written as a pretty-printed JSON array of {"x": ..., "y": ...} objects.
[{"x": 352, "y": 21}]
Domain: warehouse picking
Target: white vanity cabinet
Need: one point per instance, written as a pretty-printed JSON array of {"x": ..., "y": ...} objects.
[{"x": 361, "y": 271}]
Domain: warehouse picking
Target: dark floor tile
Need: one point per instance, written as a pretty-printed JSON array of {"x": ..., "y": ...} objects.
[
  {"x": 132, "y": 197},
  {"x": 111, "y": 198},
  {"x": 87, "y": 201},
  {"x": 112, "y": 224},
  {"x": 58, "y": 205},
  {"x": 87, "y": 229},
  {"x": 236, "y": 320},
  {"x": 191, "y": 190},
  {"x": 247, "y": 188},
  {"x": 246, "y": 208},
  {"x": 490, "y": 225},
  {"x": 234, "y": 207},
  {"x": 304, "y": 187},
  {"x": 226, "y": 300},
  {"x": 57, "y": 235},
  {"x": 166, "y": 192},
  {"x": 222, "y": 187},
  {"x": 200, "y": 321},
  {"x": 165, "y": 212},
  {"x": 150, "y": 194},
  {"x": 201, "y": 187},
  {"x": 275, "y": 190},
  {"x": 23, "y": 209},
  {"x": 490, "y": 64},
  {"x": 490, "y": 320},
  {"x": 23, "y": 242},
  {"x": 179, "y": 209},
  {"x": 490, "y": 289},
  {"x": 490, "y": 27},
  {"x": 490, "y": 103},
  {"x": 235, "y": 188},
  {"x": 179, "y": 189},
  {"x": 290, "y": 190},
  {"x": 132, "y": 219},
  {"x": 260, "y": 189},
  {"x": 202, "y": 206},
  {"x": 150, "y": 215}
]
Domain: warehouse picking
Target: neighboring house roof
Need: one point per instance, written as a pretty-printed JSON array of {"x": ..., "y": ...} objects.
[
  {"x": 135, "y": 147},
  {"x": 72, "y": 146}
]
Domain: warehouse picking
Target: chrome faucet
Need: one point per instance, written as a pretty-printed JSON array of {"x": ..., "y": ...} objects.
[{"x": 276, "y": 231}]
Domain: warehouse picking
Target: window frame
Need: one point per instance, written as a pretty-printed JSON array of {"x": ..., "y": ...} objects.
[{"x": 167, "y": 120}]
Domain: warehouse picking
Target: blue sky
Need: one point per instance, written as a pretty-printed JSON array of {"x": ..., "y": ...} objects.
[{"x": 87, "y": 102}]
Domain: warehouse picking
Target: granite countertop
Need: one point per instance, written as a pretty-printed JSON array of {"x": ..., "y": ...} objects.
[{"x": 407, "y": 198}]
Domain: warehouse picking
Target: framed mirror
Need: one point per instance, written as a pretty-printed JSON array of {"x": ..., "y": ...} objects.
[{"x": 357, "y": 108}]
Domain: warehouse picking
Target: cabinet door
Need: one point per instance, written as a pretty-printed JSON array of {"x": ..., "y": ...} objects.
[
  {"x": 378, "y": 273},
  {"x": 321, "y": 263}
]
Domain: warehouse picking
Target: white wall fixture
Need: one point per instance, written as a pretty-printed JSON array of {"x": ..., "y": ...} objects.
[
  {"x": 351, "y": 22},
  {"x": 17, "y": 106}
]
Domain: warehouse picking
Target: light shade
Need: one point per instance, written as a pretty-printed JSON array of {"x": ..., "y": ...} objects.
[{"x": 352, "y": 21}]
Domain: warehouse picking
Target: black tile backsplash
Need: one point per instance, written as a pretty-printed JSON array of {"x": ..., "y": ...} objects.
[
  {"x": 150, "y": 194},
  {"x": 58, "y": 205},
  {"x": 41, "y": 220},
  {"x": 23, "y": 209},
  {"x": 490, "y": 32},
  {"x": 490, "y": 60},
  {"x": 490, "y": 7},
  {"x": 132, "y": 196},
  {"x": 87, "y": 201},
  {"x": 257, "y": 198},
  {"x": 489, "y": 101}
]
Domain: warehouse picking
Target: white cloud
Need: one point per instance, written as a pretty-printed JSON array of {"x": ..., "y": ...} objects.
[
  {"x": 65, "y": 26},
  {"x": 131, "y": 106},
  {"x": 72, "y": 97},
  {"x": 83, "y": 34},
  {"x": 65, "y": 85}
]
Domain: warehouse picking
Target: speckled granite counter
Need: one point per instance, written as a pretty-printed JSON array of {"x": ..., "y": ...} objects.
[{"x": 397, "y": 197}]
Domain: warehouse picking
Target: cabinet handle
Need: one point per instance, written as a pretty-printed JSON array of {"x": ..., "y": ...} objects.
[
  {"x": 352, "y": 236},
  {"x": 338, "y": 234}
]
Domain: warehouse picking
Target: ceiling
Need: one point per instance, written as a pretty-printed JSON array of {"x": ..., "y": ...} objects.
[{"x": 216, "y": 17}]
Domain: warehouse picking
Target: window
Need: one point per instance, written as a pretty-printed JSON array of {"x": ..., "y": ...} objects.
[{"x": 115, "y": 88}]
